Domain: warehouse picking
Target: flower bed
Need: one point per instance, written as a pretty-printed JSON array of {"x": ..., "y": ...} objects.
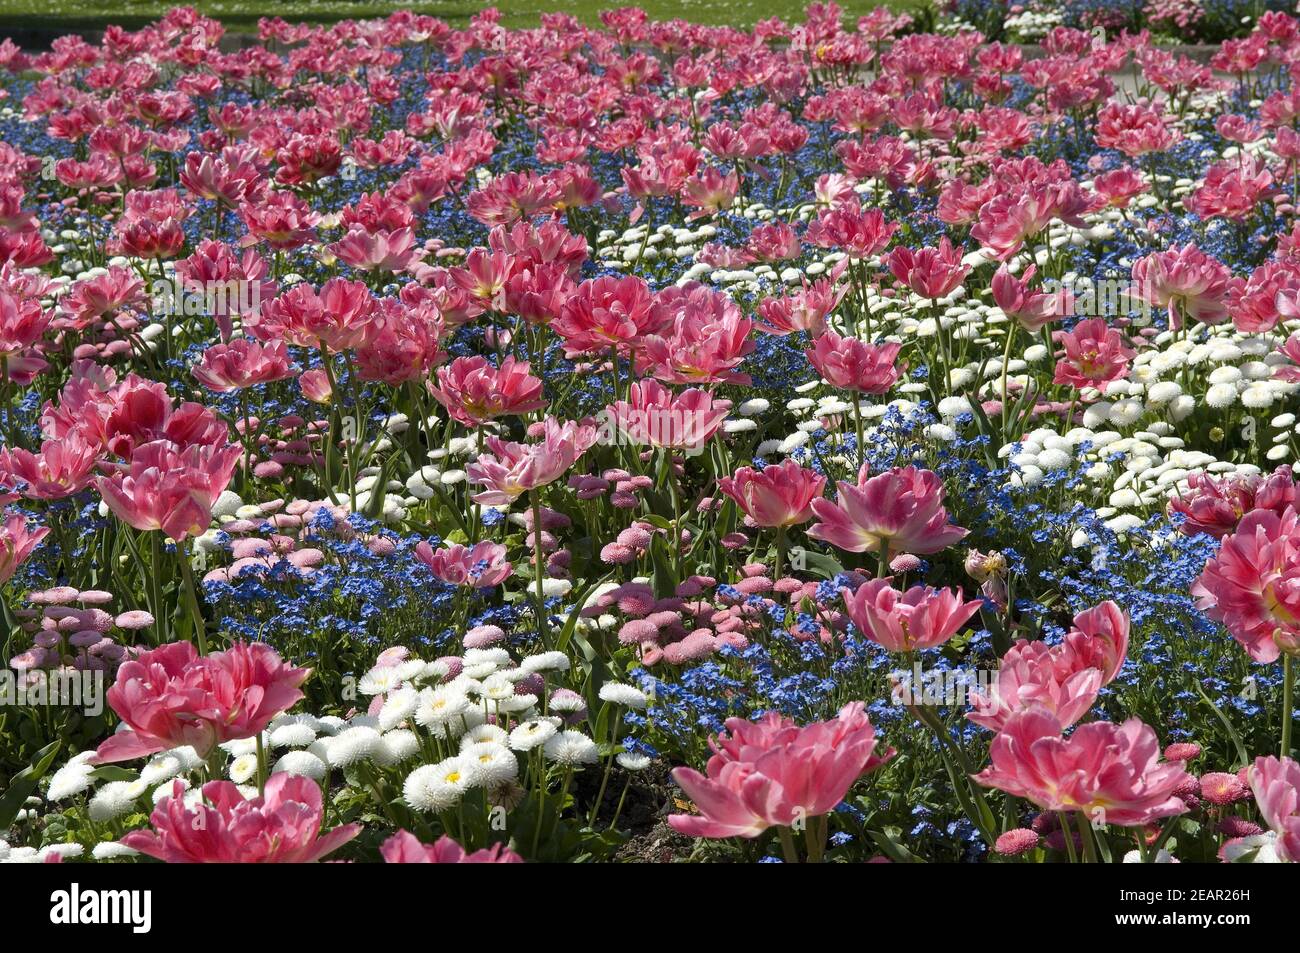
[{"x": 651, "y": 442}]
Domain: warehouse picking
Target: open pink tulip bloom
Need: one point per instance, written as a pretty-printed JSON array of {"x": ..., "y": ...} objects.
[
  {"x": 171, "y": 696},
  {"x": 1276, "y": 783},
  {"x": 773, "y": 772},
  {"x": 901, "y": 510},
  {"x": 281, "y": 827},
  {"x": 405, "y": 848},
  {"x": 779, "y": 495},
  {"x": 920, "y": 618},
  {"x": 1112, "y": 773}
]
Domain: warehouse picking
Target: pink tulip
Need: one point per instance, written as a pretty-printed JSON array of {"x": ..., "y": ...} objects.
[
  {"x": 1216, "y": 506},
  {"x": 405, "y": 848},
  {"x": 280, "y": 219},
  {"x": 315, "y": 386},
  {"x": 1030, "y": 309},
  {"x": 854, "y": 365},
  {"x": 169, "y": 488},
  {"x": 1120, "y": 186},
  {"x": 1290, "y": 350},
  {"x": 779, "y": 495},
  {"x": 900, "y": 510},
  {"x": 1135, "y": 129},
  {"x": 931, "y": 272},
  {"x": 774, "y": 773},
  {"x": 62, "y": 468},
  {"x": 655, "y": 416},
  {"x": 22, "y": 323},
  {"x": 1094, "y": 355},
  {"x": 1252, "y": 585},
  {"x": 709, "y": 192},
  {"x": 92, "y": 298},
  {"x": 385, "y": 251},
  {"x": 606, "y": 313},
  {"x": 707, "y": 338},
  {"x": 1111, "y": 773},
  {"x": 1031, "y": 675},
  {"x": 404, "y": 344},
  {"x": 920, "y": 618},
  {"x": 171, "y": 696},
  {"x": 281, "y": 827},
  {"x": 805, "y": 310},
  {"x": 17, "y": 541},
  {"x": 338, "y": 317},
  {"x": 481, "y": 566},
  {"x": 857, "y": 232},
  {"x": 773, "y": 242},
  {"x": 1099, "y": 638},
  {"x": 473, "y": 391},
  {"x": 511, "y": 469},
  {"x": 1276, "y": 784},
  {"x": 242, "y": 363},
  {"x": 1186, "y": 281}
]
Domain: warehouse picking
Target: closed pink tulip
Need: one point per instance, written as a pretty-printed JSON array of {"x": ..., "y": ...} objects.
[
  {"x": 920, "y": 618},
  {"x": 1276, "y": 783},
  {"x": 1099, "y": 638},
  {"x": 854, "y": 365},
  {"x": 900, "y": 510},
  {"x": 281, "y": 827},
  {"x": 171, "y": 696},
  {"x": 1030, "y": 309},
  {"x": 1112, "y": 773},
  {"x": 779, "y": 495},
  {"x": 774, "y": 773}
]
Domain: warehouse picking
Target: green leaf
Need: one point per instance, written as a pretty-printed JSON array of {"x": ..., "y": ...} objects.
[
  {"x": 579, "y": 599},
  {"x": 894, "y": 850},
  {"x": 1242, "y": 756},
  {"x": 113, "y": 772},
  {"x": 821, "y": 564},
  {"x": 24, "y": 783},
  {"x": 664, "y": 581}
]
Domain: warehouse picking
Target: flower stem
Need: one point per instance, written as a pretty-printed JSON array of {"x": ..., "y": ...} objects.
[
  {"x": 1288, "y": 690},
  {"x": 536, "y": 500},
  {"x": 192, "y": 597}
]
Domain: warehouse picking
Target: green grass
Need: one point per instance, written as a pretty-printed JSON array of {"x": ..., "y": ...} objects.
[{"x": 243, "y": 14}]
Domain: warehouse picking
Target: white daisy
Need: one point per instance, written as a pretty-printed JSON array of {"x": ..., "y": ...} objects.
[
  {"x": 436, "y": 787},
  {"x": 571, "y": 748},
  {"x": 490, "y": 763},
  {"x": 628, "y": 696},
  {"x": 302, "y": 763},
  {"x": 530, "y": 734}
]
